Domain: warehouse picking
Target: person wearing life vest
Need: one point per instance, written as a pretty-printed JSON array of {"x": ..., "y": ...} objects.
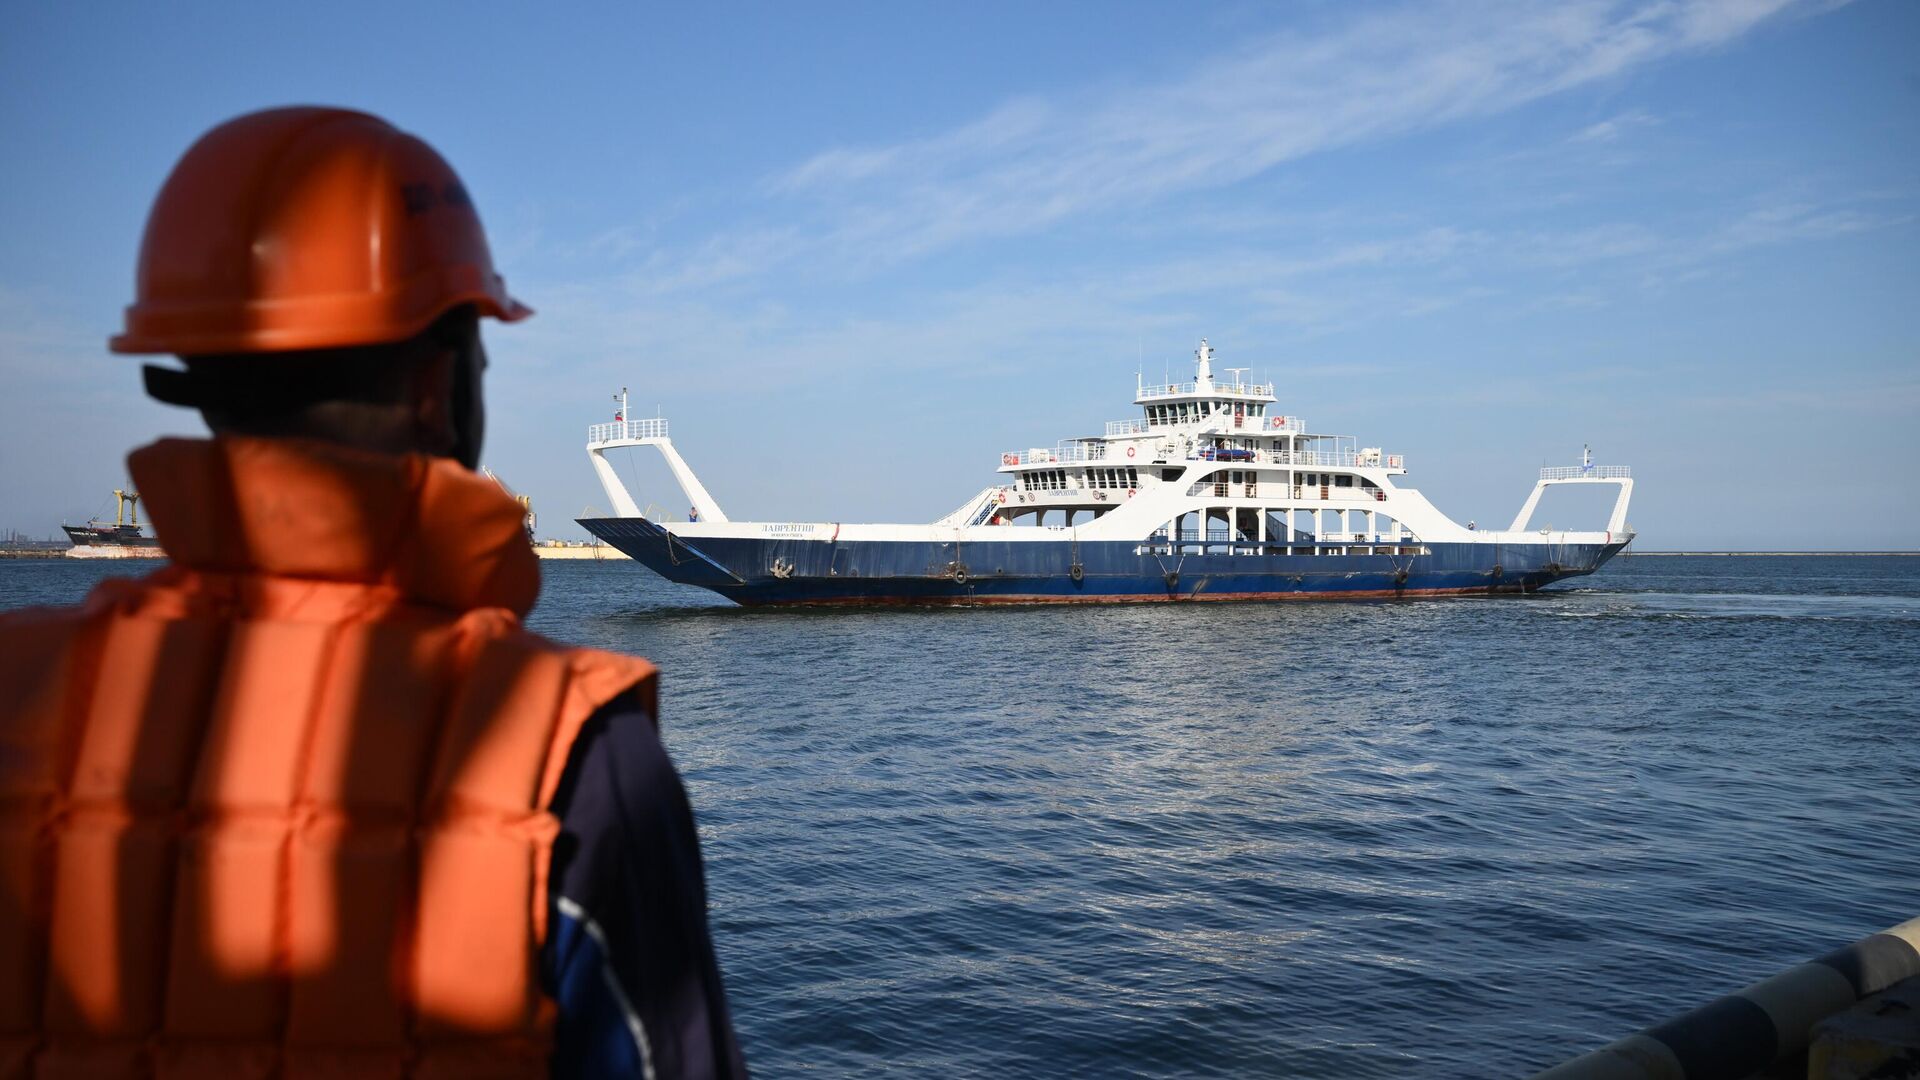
[{"x": 309, "y": 801}]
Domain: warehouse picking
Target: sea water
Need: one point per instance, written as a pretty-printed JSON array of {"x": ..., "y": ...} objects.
[{"x": 1446, "y": 838}]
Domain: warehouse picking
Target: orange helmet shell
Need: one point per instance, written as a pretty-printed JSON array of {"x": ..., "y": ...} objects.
[{"x": 307, "y": 228}]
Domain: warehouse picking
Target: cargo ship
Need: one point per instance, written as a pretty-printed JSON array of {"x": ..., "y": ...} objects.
[
  {"x": 1209, "y": 493},
  {"x": 124, "y": 539}
]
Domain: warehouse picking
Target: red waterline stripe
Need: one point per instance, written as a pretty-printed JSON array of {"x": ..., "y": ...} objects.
[{"x": 1033, "y": 600}]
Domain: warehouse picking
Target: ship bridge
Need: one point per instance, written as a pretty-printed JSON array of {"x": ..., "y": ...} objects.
[
  {"x": 1231, "y": 402},
  {"x": 1208, "y": 419}
]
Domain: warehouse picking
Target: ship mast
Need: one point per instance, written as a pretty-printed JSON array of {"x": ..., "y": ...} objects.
[
  {"x": 1203, "y": 371},
  {"x": 122, "y": 501}
]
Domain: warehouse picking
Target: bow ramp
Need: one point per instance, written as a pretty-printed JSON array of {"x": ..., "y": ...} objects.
[
  {"x": 628, "y": 432},
  {"x": 662, "y": 552},
  {"x": 1585, "y": 473}
]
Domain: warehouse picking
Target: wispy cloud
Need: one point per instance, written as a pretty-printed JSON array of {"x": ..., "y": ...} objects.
[
  {"x": 1248, "y": 291},
  {"x": 1614, "y": 128},
  {"x": 1034, "y": 162}
]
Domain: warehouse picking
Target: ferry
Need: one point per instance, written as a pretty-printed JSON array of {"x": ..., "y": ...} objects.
[{"x": 1210, "y": 493}]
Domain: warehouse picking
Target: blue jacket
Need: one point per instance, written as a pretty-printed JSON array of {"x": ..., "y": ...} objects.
[{"x": 627, "y": 956}]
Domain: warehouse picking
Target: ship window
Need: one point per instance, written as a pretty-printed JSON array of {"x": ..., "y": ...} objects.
[
  {"x": 1171, "y": 474},
  {"x": 1343, "y": 481}
]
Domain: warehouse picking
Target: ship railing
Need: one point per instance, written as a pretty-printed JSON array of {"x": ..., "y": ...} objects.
[
  {"x": 1337, "y": 460},
  {"x": 627, "y": 429},
  {"x": 1223, "y": 486},
  {"x": 1159, "y": 544},
  {"x": 1234, "y": 389},
  {"x": 1221, "y": 422},
  {"x": 1588, "y": 472},
  {"x": 1062, "y": 454},
  {"x": 1308, "y": 458}
]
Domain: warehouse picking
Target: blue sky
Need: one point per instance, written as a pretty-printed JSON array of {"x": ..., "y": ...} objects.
[{"x": 855, "y": 252}]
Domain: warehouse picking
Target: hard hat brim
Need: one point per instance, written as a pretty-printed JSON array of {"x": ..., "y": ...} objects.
[{"x": 328, "y": 322}]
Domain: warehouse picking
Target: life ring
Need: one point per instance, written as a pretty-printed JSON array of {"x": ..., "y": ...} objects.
[
  {"x": 1129, "y": 451},
  {"x": 1075, "y": 572},
  {"x": 1009, "y": 459},
  {"x": 1129, "y": 493},
  {"x": 1001, "y": 498}
]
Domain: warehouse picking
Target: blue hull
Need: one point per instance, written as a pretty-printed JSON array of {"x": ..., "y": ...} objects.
[{"x": 753, "y": 571}]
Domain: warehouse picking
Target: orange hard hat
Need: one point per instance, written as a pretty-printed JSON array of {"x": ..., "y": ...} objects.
[{"x": 307, "y": 228}]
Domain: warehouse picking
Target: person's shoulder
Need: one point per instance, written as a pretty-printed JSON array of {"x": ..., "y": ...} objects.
[
  {"x": 39, "y": 647},
  {"x": 32, "y": 620}
]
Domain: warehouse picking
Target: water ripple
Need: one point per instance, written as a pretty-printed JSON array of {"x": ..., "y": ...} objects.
[{"x": 1458, "y": 838}]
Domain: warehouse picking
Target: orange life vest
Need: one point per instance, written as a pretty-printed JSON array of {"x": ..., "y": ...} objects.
[{"x": 280, "y": 808}]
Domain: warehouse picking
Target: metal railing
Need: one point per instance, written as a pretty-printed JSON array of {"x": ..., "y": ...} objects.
[
  {"x": 1158, "y": 544},
  {"x": 1094, "y": 450},
  {"x": 1339, "y": 460},
  {"x": 1588, "y": 472},
  {"x": 1266, "y": 425},
  {"x": 1311, "y": 458},
  {"x": 1232, "y": 389},
  {"x": 627, "y": 429},
  {"x": 1065, "y": 453},
  {"x": 1221, "y": 488}
]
